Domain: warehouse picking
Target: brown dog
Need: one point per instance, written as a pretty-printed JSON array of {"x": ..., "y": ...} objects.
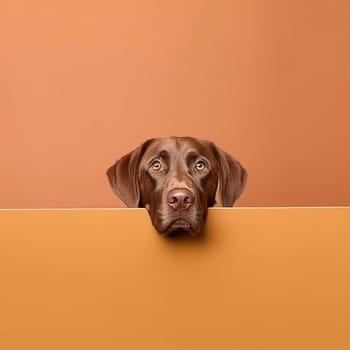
[{"x": 176, "y": 179}]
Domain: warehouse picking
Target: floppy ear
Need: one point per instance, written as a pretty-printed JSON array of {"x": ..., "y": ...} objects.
[
  {"x": 123, "y": 176},
  {"x": 232, "y": 177}
]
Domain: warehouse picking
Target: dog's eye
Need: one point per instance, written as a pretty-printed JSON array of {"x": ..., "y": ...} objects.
[
  {"x": 156, "y": 165},
  {"x": 200, "y": 165}
]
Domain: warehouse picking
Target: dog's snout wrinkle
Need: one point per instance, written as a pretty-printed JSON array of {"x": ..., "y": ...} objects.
[{"x": 180, "y": 199}]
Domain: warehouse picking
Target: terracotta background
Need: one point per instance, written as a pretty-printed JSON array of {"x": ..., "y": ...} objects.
[{"x": 83, "y": 82}]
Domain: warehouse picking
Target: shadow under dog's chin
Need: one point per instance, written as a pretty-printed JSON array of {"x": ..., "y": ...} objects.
[
  {"x": 181, "y": 227},
  {"x": 185, "y": 236}
]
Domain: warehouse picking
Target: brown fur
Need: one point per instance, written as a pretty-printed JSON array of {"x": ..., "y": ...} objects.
[{"x": 162, "y": 169}]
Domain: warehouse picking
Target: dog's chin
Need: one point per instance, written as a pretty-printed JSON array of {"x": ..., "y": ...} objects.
[{"x": 180, "y": 226}]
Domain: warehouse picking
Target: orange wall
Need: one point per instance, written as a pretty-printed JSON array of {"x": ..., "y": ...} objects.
[{"x": 84, "y": 82}]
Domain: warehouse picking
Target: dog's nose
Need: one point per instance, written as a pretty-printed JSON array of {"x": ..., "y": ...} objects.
[{"x": 180, "y": 199}]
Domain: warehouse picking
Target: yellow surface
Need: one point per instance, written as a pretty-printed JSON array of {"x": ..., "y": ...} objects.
[{"x": 103, "y": 279}]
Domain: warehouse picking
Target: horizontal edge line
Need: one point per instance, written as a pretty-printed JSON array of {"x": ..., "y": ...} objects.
[{"x": 212, "y": 208}]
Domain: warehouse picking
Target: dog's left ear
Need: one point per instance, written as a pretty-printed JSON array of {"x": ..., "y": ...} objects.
[
  {"x": 123, "y": 176},
  {"x": 232, "y": 176}
]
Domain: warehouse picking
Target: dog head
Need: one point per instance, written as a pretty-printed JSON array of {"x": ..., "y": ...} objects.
[{"x": 176, "y": 179}]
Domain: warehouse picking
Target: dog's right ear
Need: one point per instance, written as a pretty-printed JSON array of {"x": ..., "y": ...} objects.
[{"x": 123, "y": 176}]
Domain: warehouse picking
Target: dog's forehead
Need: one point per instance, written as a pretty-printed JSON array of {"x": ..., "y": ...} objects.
[{"x": 177, "y": 145}]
